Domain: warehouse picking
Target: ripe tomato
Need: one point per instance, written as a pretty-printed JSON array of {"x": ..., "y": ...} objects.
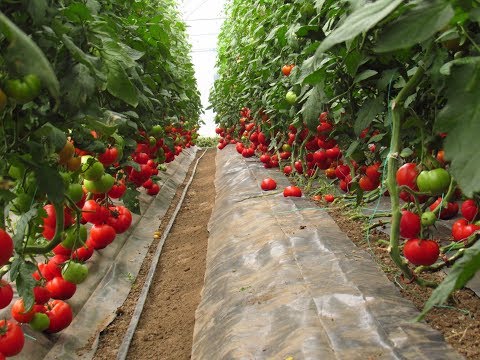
[
  {"x": 268, "y": 184},
  {"x": 6, "y": 244},
  {"x": 407, "y": 174},
  {"x": 461, "y": 229},
  {"x": 109, "y": 156},
  {"x": 421, "y": 252},
  {"x": 329, "y": 198},
  {"x": 298, "y": 166},
  {"x": 367, "y": 184},
  {"x": 469, "y": 209},
  {"x": 50, "y": 220},
  {"x": 342, "y": 171},
  {"x": 446, "y": 213},
  {"x": 42, "y": 295},
  {"x": 330, "y": 173},
  {"x": 372, "y": 172},
  {"x": 154, "y": 190},
  {"x": 287, "y": 69},
  {"x": 61, "y": 250},
  {"x": 60, "y": 315},
  {"x": 292, "y": 191},
  {"x": 82, "y": 253},
  {"x": 287, "y": 170},
  {"x": 117, "y": 190},
  {"x": 93, "y": 212},
  {"x": 54, "y": 265},
  {"x": 60, "y": 288},
  {"x": 11, "y": 338},
  {"x": 6, "y": 293},
  {"x": 19, "y": 312},
  {"x": 102, "y": 235},
  {"x": 410, "y": 224},
  {"x": 120, "y": 218}
]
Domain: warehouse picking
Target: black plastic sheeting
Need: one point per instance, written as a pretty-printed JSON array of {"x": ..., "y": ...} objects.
[
  {"x": 283, "y": 281},
  {"x": 111, "y": 275}
]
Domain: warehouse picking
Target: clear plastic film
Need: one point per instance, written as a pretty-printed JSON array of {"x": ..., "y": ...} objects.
[{"x": 282, "y": 280}]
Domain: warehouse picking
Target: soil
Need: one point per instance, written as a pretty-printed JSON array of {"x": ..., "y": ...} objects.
[
  {"x": 458, "y": 321},
  {"x": 165, "y": 329}
]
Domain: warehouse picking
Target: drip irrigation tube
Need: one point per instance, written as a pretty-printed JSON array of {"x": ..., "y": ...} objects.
[{"x": 127, "y": 339}]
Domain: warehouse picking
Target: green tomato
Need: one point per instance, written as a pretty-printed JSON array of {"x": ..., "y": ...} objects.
[
  {"x": 70, "y": 241},
  {"x": 156, "y": 130},
  {"x": 16, "y": 172},
  {"x": 152, "y": 141},
  {"x": 434, "y": 181},
  {"x": 40, "y": 322},
  {"x": 101, "y": 186},
  {"x": 74, "y": 272},
  {"x": 75, "y": 192},
  {"x": 23, "y": 90},
  {"x": 428, "y": 218},
  {"x": 291, "y": 97},
  {"x": 92, "y": 169},
  {"x": 66, "y": 178}
]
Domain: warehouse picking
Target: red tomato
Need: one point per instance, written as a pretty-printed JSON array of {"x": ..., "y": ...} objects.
[
  {"x": 102, "y": 235},
  {"x": 61, "y": 250},
  {"x": 367, "y": 184},
  {"x": 48, "y": 232},
  {"x": 117, "y": 191},
  {"x": 60, "y": 315},
  {"x": 42, "y": 295},
  {"x": 148, "y": 184},
  {"x": 407, "y": 175},
  {"x": 410, "y": 224},
  {"x": 329, "y": 198},
  {"x": 6, "y": 294},
  {"x": 83, "y": 253},
  {"x": 287, "y": 170},
  {"x": 461, "y": 229},
  {"x": 298, "y": 166},
  {"x": 330, "y": 173},
  {"x": 60, "y": 288},
  {"x": 342, "y": 171},
  {"x": 120, "y": 218},
  {"x": 287, "y": 69},
  {"x": 19, "y": 312},
  {"x": 50, "y": 220},
  {"x": 372, "y": 172},
  {"x": 446, "y": 213},
  {"x": 268, "y": 184},
  {"x": 11, "y": 338},
  {"x": 421, "y": 252},
  {"x": 94, "y": 213},
  {"x": 108, "y": 157},
  {"x": 142, "y": 158},
  {"x": 292, "y": 191},
  {"x": 469, "y": 209},
  {"x": 265, "y": 158},
  {"x": 55, "y": 264},
  {"x": 154, "y": 190},
  {"x": 333, "y": 153},
  {"x": 6, "y": 244}
]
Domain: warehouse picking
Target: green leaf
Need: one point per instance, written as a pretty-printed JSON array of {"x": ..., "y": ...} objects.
[
  {"x": 462, "y": 271},
  {"x": 365, "y": 75},
  {"x": 361, "y": 20},
  {"x": 27, "y": 58},
  {"x": 351, "y": 149},
  {"x": 25, "y": 282},
  {"x": 6, "y": 196},
  {"x": 313, "y": 106},
  {"x": 415, "y": 25},
  {"x": 78, "y": 85},
  {"x": 447, "y": 67},
  {"x": 460, "y": 118},
  {"x": 130, "y": 199},
  {"x": 52, "y": 135},
  {"x": 406, "y": 153},
  {"x": 120, "y": 86},
  {"x": 77, "y": 12},
  {"x": 370, "y": 109},
  {"x": 50, "y": 182},
  {"x": 37, "y": 10},
  {"x": 304, "y": 30},
  {"x": 21, "y": 228}
]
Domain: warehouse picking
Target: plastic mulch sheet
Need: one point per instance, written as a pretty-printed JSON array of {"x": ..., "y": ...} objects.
[
  {"x": 111, "y": 275},
  {"x": 283, "y": 280}
]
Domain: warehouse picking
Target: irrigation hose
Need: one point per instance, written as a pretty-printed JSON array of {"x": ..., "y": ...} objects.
[{"x": 127, "y": 339}]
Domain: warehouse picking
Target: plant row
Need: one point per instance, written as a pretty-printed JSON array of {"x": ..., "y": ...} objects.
[
  {"x": 380, "y": 97},
  {"x": 95, "y": 98}
]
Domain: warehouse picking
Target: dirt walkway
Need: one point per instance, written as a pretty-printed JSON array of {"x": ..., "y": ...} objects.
[{"x": 165, "y": 328}]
